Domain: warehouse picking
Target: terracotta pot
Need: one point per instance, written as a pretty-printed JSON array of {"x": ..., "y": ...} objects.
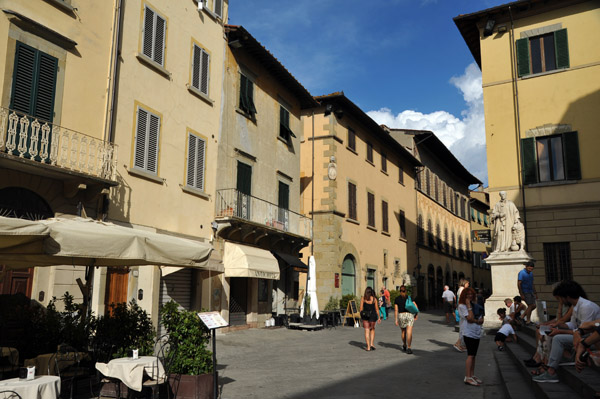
[{"x": 192, "y": 386}]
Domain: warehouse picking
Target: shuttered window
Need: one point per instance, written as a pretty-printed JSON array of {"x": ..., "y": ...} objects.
[
  {"x": 384, "y": 162},
  {"x": 200, "y": 69},
  {"x": 542, "y": 53},
  {"x": 154, "y": 34},
  {"x": 420, "y": 230},
  {"x": 352, "y": 201},
  {"x": 369, "y": 152},
  {"x": 146, "y": 141},
  {"x": 400, "y": 175},
  {"x": 196, "y": 162},
  {"x": 247, "y": 95},
  {"x": 218, "y": 8},
  {"x": 551, "y": 158},
  {"x": 371, "y": 209},
  {"x": 351, "y": 139},
  {"x": 284, "y": 124},
  {"x": 402, "y": 224},
  {"x": 384, "y": 216}
]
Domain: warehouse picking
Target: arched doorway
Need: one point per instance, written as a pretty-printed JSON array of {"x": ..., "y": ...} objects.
[
  {"x": 430, "y": 285},
  {"x": 348, "y": 276},
  {"x": 18, "y": 202},
  {"x": 439, "y": 286}
]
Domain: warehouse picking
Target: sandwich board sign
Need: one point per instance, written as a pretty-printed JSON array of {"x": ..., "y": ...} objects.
[{"x": 352, "y": 312}]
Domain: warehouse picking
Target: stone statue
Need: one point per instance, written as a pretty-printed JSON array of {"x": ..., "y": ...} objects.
[
  {"x": 518, "y": 237},
  {"x": 504, "y": 216}
]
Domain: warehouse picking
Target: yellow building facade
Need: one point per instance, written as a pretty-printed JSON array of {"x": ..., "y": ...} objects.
[
  {"x": 359, "y": 186},
  {"x": 540, "y": 68}
]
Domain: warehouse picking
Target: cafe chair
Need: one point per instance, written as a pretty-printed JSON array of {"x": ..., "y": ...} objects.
[
  {"x": 9, "y": 395},
  {"x": 165, "y": 355},
  {"x": 67, "y": 365},
  {"x": 9, "y": 362}
]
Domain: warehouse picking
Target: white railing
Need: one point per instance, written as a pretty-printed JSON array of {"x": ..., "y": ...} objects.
[
  {"x": 27, "y": 137},
  {"x": 232, "y": 203}
]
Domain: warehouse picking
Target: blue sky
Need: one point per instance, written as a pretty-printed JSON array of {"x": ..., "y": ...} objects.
[{"x": 402, "y": 61}]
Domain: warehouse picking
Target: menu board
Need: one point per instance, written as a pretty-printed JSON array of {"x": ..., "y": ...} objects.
[{"x": 212, "y": 320}]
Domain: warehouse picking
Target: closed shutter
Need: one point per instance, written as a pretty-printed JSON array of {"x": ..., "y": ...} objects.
[
  {"x": 371, "y": 209},
  {"x": 402, "y": 224},
  {"x": 177, "y": 287},
  {"x": 352, "y": 201},
  {"x": 153, "y": 143},
  {"x": 204, "y": 72},
  {"x": 523, "y": 57},
  {"x": 529, "y": 160},
  {"x": 561, "y": 44},
  {"x": 196, "y": 64},
  {"x": 196, "y": 162},
  {"x": 571, "y": 156},
  {"x": 219, "y": 8},
  {"x": 159, "y": 40},
  {"x": 154, "y": 33},
  {"x": 146, "y": 141},
  {"x": 148, "y": 33},
  {"x": 140, "y": 139},
  {"x": 384, "y": 216}
]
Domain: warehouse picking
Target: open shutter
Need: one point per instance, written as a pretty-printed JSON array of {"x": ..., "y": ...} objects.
[
  {"x": 148, "y": 33},
  {"x": 561, "y": 44},
  {"x": 243, "y": 96},
  {"x": 140, "y": 139},
  {"x": 159, "y": 40},
  {"x": 571, "y": 156},
  {"x": 204, "y": 72},
  {"x": 529, "y": 160},
  {"x": 284, "y": 196},
  {"x": 523, "y": 57},
  {"x": 250, "y": 97}
]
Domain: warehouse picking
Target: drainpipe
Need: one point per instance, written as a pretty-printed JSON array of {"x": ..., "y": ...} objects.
[{"x": 517, "y": 117}]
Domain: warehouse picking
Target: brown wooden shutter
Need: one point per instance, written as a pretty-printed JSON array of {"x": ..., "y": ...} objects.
[
  {"x": 384, "y": 216},
  {"x": 402, "y": 224},
  {"x": 371, "y": 209},
  {"x": 352, "y": 201}
]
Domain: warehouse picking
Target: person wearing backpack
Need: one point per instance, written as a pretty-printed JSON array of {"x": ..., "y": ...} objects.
[{"x": 406, "y": 312}]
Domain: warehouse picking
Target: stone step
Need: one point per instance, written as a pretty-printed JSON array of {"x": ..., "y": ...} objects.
[{"x": 517, "y": 387}]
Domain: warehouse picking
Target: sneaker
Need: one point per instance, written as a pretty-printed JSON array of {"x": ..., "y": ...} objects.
[
  {"x": 458, "y": 348},
  {"x": 409, "y": 351},
  {"x": 404, "y": 348},
  {"x": 546, "y": 377}
]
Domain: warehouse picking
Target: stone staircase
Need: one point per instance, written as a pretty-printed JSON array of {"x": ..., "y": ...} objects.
[{"x": 517, "y": 378}]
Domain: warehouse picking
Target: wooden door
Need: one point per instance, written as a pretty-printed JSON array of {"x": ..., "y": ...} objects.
[
  {"x": 116, "y": 287},
  {"x": 16, "y": 282}
]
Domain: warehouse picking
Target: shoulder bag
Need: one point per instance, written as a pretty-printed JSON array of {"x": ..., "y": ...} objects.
[{"x": 410, "y": 306}]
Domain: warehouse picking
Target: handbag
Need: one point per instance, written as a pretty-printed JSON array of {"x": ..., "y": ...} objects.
[
  {"x": 456, "y": 315},
  {"x": 410, "y": 306},
  {"x": 365, "y": 314}
]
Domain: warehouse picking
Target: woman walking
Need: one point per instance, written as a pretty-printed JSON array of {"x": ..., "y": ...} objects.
[
  {"x": 405, "y": 319},
  {"x": 369, "y": 313},
  {"x": 459, "y": 345},
  {"x": 471, "y": 328}
]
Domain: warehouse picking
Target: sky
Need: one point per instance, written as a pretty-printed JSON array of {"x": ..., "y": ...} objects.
[{"x": 403, "y": 62}]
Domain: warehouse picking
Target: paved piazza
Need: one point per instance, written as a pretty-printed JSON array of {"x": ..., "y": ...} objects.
[{"x": 332, "y": 363}]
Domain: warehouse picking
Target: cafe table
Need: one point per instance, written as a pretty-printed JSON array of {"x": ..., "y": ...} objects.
[
  {"x": 131, "y": 371},
  {"x": 41, "y": 387},
  {"x": 46, "y": 363}
]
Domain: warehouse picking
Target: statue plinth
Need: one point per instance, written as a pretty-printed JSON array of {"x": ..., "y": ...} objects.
[{"x": 505, "y": 268}]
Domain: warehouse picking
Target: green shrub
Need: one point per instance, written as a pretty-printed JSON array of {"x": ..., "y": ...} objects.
[
  {"x": 333, "y": 304},
  {"x": 347, "y": 298},
  {"x": 393, "y": 295},
  {"x": 188, "y": 336}
]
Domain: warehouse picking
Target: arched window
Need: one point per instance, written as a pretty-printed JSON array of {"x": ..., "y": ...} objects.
[
  {"x": 420, "y": 234},
  {"x": 438, "y": 237},
  {"x": 453, "y": 244},
  {"x": 348, "y": 276},
  {"x": 446, "y": 238},
  {"x": 460, "y": 246},
  {"x": 430, "y": 240},
  {"x": 436, "y": 193}
]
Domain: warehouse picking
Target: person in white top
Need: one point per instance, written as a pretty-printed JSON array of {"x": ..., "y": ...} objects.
[
  {"x": 471, "y": 327},
  {"x": 448, "y": 298},
  {"x": 506, "y": 332}
]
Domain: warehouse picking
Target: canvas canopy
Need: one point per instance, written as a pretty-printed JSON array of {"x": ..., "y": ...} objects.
[
  {"x": 16, "y": 232},
  {"x": 245, "y": 261},
  {"x": 84, "y": 241}
]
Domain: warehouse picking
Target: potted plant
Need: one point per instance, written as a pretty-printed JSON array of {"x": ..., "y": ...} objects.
[{"x": 191, "y": 363}]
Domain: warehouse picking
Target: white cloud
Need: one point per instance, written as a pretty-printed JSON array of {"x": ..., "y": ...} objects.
[{"x": 464, "y": 135}]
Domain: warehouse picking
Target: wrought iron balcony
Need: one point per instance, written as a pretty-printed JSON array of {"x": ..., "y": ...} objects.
[
  {"x": 232, "y": 203},
  {"x": 29, "y": 138}
]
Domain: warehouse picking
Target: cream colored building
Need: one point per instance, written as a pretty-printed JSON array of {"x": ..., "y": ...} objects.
[
  {"x": 443, "y": 230},
  {"x": 56, "y": 157},
  {"x": 258, "y": 225},
  {"x": 167, "y": 112},
  {"x": 480, "y": 231},
  {"x": 540, "y": 65},
  {"x": 362, "y": 199}
]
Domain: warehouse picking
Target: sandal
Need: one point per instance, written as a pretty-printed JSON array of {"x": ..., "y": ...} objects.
[
  {"x": 477, "y": 380},
  {"x": 540, "y": 370},
  {"x": 471, "y": 381}
]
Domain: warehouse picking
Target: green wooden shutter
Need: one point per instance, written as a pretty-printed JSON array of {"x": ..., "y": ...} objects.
[
  {"x": 46, "y": 87},
  {"x": 250, "y": 96},
  {"x": 523, "y": 57},
  {"x": 529, "y": 160},
  {"x": 571, "y": 156},
  {"x": 561, "y": 45}
]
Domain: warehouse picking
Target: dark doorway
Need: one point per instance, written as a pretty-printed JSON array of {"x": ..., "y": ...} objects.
[
  {"x": 238, "y": 301},
  {"x": 244, "y": 190}
]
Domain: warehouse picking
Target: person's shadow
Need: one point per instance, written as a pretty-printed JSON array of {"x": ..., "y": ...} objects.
[
  {"x": 391, "y": 346},
  {"x": 358, "y": 344}
]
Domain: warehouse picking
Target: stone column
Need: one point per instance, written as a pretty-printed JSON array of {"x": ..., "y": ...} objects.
[{"x": 505, "y": 268}]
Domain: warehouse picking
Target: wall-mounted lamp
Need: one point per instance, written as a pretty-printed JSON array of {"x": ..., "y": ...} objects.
[
  {"x": 235, "y": 44},
  {"x": 41, "y": 296},
  {"x": 140, "y": 294},
  {"x": 489, "y": 27},
  {"x": 502, "y": 28}
]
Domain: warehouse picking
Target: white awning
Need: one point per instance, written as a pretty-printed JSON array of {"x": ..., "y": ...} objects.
[{"x": 245, "y": 261}]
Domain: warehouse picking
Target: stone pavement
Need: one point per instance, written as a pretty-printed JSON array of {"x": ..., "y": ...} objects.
[{"x": 332, "y": 363}]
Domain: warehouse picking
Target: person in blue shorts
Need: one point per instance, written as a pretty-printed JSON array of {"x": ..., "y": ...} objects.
[{"x": 527, "y": 291}]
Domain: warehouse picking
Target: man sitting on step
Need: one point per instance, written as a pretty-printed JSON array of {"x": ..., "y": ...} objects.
[
  {"x": 583, "y": 311},
  {"x": 583, "y": 345}
]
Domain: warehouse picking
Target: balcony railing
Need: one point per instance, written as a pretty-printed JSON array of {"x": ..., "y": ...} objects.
[
  {"x": 27, "y": 137},
  {"x": 235, "y": 204}
]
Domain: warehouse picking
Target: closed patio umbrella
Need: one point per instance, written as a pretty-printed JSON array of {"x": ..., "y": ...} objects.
[{"x": 312, "y": 288}]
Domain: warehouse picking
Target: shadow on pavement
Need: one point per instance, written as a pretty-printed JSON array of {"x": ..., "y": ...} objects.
[
  {"x": 358, "y": 344},
  {"x": 391, "y": 346},
  {"x": 440, "y": 343}
]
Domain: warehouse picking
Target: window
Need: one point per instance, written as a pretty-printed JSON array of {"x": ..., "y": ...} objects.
[
  {"x": 153, "y": 36},
  {"x": 284, "y": 124},
  {"x": 557, "y": 261},
  {"x": 371, "y": 209},
  {"x": 196, "y": 161},
  {"x": 400, "y": 175},
  {"x": 420, "y": 232},
  {"x": 438, "y": 236},
  {"x": 435, "y": 189},
  {"x": 369, "y": 152},
  {"x": 543, "y": 53},
  {"x": 444, "y": 195},
  {"x": 551, "y": 158},
  {"x": 218, "y": 8},
  {"x": 200, "y": 69},
  {"x": 427, "y": 182},
  {"x": 472, "y": 214},
  {"x": 284, "y": 204},
  {"x": 430, "y": 240},
  {"x": 460, "y": 247},
  {"x": 352, "y": 140},
  {"x": 384, "y": 216},
  {"x": 352, "y": 201},
  {"x": 446, "y": 244},
  {"x": 146, "y": 141},
  {"x": 453, "y": 244},
  {"x": 402, "y": 224},
  {"x": 383, "y": 162},
  {"x": 247, "y": 95}
]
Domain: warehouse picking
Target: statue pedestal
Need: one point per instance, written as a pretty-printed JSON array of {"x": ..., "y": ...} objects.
[{"x": 505, "y": 268}]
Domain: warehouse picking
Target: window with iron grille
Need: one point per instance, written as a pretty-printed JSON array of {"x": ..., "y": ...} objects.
[
  {"x": 371, "y": 209},
  {"x": 352, "y": 140},
  {"x": 196, "y": 162},
  {"x": 153, "y": 36},
  {"x": 369, "y": 152},
  {"x": 200, "y": 69},
  {"x": 402, "y": 224},
  {"x": 557, "y": 261},
  {"x": 352, "y": 201},
  {"x": 384, "y": 216}
]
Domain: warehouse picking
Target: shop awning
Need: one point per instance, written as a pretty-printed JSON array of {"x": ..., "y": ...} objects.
[
  {"x": 291, "y": 260},
  {"x": 15, "y": 232},
  {"x": 245, "y": 261}
]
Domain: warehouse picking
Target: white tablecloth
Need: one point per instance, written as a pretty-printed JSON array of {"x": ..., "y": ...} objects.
[
  {"x": 41, "y": 387},
  {"x": 131, "y": 371}
]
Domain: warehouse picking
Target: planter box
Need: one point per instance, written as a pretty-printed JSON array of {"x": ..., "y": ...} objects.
[{"x": 192, "y": 386}]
